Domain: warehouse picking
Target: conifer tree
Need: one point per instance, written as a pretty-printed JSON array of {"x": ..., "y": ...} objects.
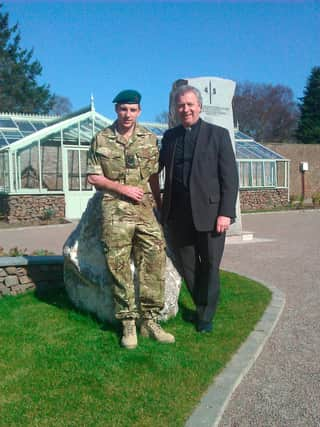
[
  {"x": 308, "y": 131},
  {"x": 19, "y": 90}
]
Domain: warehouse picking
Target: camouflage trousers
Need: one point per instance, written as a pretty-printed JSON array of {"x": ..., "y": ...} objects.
[{"x": 132, "y": 235}]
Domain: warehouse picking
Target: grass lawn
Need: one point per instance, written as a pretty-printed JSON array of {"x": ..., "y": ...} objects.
[{"x": 60, "y": 367}]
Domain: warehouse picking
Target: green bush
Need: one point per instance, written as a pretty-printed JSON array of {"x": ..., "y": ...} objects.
[
  {"x": 15, "y": 251},
  {"x": 296, "y": 201},
  {"x": 48, "y": 214},
  {"x": 316, "y": 198}
]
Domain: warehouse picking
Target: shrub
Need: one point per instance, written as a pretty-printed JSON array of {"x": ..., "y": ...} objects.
[
  {"x": 15, "y": 251},
  {"x": 48, "y": 214},
  {"x": 316, "y": 198},
  {"x": 296, "y": 201}
]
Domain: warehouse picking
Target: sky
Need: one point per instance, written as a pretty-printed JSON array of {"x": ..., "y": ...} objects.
[{"x": 102, "y": 47}]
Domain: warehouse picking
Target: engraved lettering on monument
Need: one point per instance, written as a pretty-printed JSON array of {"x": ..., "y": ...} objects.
[{"x": 212, "y": 110}]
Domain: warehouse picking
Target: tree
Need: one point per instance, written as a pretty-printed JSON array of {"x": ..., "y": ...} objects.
[
  {"x": 19, "y": 90},
  {"x": 61, "y": 105},
  {"x": 308, "y": 131},
  {"x": 266, "y": 112}
]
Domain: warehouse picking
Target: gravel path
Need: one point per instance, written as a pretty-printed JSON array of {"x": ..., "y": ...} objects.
[{"x": 283, "y": 386}]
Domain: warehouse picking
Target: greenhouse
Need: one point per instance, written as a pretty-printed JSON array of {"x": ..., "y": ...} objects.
[
  {"x": 43, "y": 162},
  {"x": 259, "y": 167}
]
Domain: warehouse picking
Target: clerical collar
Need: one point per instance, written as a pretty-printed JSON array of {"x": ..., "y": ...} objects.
[{"x": 194, "y": 126}]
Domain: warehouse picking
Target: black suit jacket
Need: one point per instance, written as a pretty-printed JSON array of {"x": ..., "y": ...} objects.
[{"x": 214, "y": 175}]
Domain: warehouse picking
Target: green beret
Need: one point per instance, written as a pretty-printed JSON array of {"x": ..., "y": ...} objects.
[{"x": 128, "y": 97}]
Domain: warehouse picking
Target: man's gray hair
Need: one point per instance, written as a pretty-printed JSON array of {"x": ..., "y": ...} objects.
[{"x": 181, "y": 90}]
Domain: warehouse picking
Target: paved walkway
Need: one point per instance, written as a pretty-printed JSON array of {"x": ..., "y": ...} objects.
[
  {"x": 50, "y": 237},
  {"x": 282, "y": 388}
]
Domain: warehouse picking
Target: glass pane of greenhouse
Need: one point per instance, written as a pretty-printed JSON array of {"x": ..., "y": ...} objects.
[
  {"x": 240, "y": 135},
  {"x": 257, "y": 174},
  {"x": 70, "y": 134},
  {"x": 7, "y": 123},
  {"x": 100, "y": 123},
  {"x": 282, "y": 173},
  {"x": 13, "y": 127},
  {"x": 245, "y": 174},
  {"x": 86, "y": 131},
  {"x": 3, "y": 142},
  {"x": 12, "y": 136},
  {"x": 4, "y": 172},
  {"x": 73, "y": 170},
  {"x": 39, "y": 125},
  {"x": 270, "y": 175},
  {"x": 254, "y": 150},
  {"x": 51, "y": 164},
  {"x": 27, "y": 167},
  {"x": 83, "y": 170}
]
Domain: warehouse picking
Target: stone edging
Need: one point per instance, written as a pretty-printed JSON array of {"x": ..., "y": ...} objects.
[
  {"x": 212, "y": 406},
  {"x": 23, "y": 273}
]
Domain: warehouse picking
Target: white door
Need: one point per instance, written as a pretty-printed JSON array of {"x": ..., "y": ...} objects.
[{"x": 78, "y": 191}]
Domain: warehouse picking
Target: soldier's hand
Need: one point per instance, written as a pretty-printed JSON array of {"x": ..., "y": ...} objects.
[{"x": 135, "y": 193}]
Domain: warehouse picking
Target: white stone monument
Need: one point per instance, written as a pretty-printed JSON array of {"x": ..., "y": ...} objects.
[{"x": 217, "y": 94}]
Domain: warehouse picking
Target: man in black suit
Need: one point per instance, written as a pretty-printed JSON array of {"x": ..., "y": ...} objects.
[{"x": 198, "y": 206}]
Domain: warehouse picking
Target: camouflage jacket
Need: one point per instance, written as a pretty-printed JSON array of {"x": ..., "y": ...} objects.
[{"x": 128, "y": 162}]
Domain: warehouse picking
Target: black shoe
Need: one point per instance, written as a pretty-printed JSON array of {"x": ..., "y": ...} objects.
[
  {"x": 204, "y": 327},
  {"x": 190, "y": 316}
]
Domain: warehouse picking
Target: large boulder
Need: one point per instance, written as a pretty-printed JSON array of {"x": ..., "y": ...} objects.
[{"x": 87, "y": 278}]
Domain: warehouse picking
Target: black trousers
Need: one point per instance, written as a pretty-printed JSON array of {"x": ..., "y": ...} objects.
[{"x": 197, "y": 256}]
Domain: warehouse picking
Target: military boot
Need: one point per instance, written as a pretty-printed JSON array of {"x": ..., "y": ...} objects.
[
  {"x": 149, "y": 328},
  {"x": 129, "y": 334}
]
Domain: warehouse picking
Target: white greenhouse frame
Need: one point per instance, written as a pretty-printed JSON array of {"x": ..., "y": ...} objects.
[{"x": 26, "y": 167}]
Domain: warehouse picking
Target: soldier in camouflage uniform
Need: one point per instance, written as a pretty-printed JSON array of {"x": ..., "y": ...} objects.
[{"x": 122, "y": 159}]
